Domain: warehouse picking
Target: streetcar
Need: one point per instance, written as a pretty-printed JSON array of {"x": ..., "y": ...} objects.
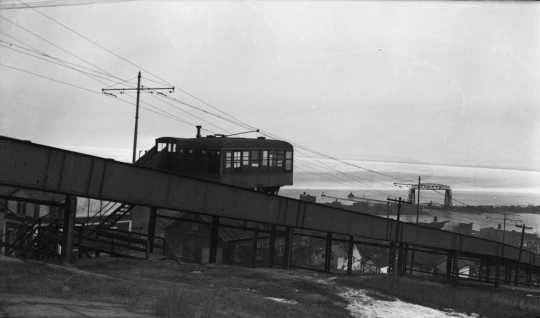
[{"x": 259, "y": 164}]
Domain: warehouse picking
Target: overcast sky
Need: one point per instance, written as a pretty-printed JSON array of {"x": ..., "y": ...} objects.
[{"x": 441, "y": 82}]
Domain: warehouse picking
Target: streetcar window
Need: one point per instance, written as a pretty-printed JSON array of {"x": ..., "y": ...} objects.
[
  {"x": 255, "y": 158},
  {"x": 173, "y": 148},
  {"x": 237, "y": 155},
  {"x": 228, "y": 160},
  {"x": 288, "y": 160},
  {"x": 271, "y": 159},
  {"x": 213, "y": 161},
  {"x": 245, "y": 158},
  {"x": 264, "y": 162},
  {"x": 279, "y": 158},
  {"x": 161, "y": 146}
]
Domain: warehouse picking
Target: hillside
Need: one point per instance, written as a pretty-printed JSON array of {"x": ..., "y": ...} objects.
[{"x": 115, "y": 287}]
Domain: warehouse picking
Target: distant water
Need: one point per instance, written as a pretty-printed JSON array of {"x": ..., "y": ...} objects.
[
  {"x": 470, "y": 185},
  {"x": 471, "y": 197},
  {"x": 479, "y": 220}
]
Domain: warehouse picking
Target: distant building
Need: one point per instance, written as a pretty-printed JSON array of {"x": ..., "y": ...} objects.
[
  {"x": 463, "y": 228},
  {"x": 435, "y": 223},
  {"x": 531, "y": 241},
  {"x": 308, "y": 197}
]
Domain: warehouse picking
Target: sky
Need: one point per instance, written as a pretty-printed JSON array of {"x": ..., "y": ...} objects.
[{"x": 438, "y": 82}]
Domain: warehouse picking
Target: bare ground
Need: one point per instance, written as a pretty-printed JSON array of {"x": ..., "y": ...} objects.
[{"x": 116, "y": 287}]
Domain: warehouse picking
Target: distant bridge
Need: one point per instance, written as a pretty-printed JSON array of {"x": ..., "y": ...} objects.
[{"x": 32, "y": 166}]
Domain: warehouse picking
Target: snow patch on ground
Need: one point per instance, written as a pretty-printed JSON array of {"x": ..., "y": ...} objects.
[
  {"x": 327, "y": 281},
  {"x": 282, "y": 300},
  {"x": 361, "y": 305}
]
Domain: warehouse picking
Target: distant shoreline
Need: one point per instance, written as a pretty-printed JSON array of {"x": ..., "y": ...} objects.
[
  {"x": 488, "y": 201},
  {"x": 412, "y": 162}
]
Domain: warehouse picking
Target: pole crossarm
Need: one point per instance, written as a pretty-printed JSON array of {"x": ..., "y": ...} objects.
[
  {"x": 170, "y": 89},
  {"x": 399, "y": 200},
  {"x": 351, "y": 197},
  {"x": 138, "y": 89},
  {"x": 424, "y": 186}
]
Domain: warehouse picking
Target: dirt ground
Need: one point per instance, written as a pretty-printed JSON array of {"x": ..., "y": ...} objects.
[{"x": 117, "y": 287}]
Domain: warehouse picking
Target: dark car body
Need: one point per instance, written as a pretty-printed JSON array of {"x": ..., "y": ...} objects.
[{"x": 255, "y": 163}]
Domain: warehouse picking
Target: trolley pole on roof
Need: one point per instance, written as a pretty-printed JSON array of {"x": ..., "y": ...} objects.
[{"x": 139, "y": 88}]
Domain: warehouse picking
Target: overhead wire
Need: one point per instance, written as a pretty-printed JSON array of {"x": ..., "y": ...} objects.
[
  {"x": 219, "y": 128},
  {"x": 49, "y": 4},
  {"x": 145, "y": 106},
  {"x": 57, "y": 46},
  {"x": 121, "y": 82},
  {"x": 222, "y": 116},
  {"x": 232, "y": 119},
  {"x": 248, "y": 126},
  {"x": 47, "y": 77},
  {"x": 89, "y": 74},
  {"x": 95, "y": 43},
  {"x": 29, "y": 48},
  {"x": 154, "y": 81},
  {"x": 63, "y": 63}
]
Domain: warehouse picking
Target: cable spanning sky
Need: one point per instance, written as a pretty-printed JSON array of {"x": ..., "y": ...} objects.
[{"x": 438, "y": 82}]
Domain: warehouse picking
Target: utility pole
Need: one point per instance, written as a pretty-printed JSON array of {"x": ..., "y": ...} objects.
[
  {"x": 417, "y": 218},
  {"x": 505, "y": 218},
  {"x": 418, "y": 201},
  {"x": 504, "y": 227},
  {"x": 136, "y": 118},
  {"x": 396, "y": 244},
  {"x": 139, "y": 88},
  {"x": 523, "y": 227}
]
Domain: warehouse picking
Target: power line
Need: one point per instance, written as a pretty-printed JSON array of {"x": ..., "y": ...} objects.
[
  {"x": 29, "y": 48},
  {"x": 47, "y": 78},
  {"x": 151, "y": 108},
  {"x": 181, "y": 102},
  {"x": 248, "y": 126},
  {"x": 50, "y": 4},
  {"x": 233, "y": 120},
  {"x": 91, "y": 75},
  {"x": 204, "y": 102},
  {"x": 155, "y": 109},
  {"x": 58, "y": 47},
  {"x": 229, "y": 117},
  {"x": 193, "y": 115},
  {"x": 148, "y": 107},
  {"x": 121, "y": 82},
  {"x": 94, "y": 42},
  {"x": 138, "y": 89}
]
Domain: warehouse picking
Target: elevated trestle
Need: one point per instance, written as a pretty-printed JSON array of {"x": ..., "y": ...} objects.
[{"x": 31, "y": 166}]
